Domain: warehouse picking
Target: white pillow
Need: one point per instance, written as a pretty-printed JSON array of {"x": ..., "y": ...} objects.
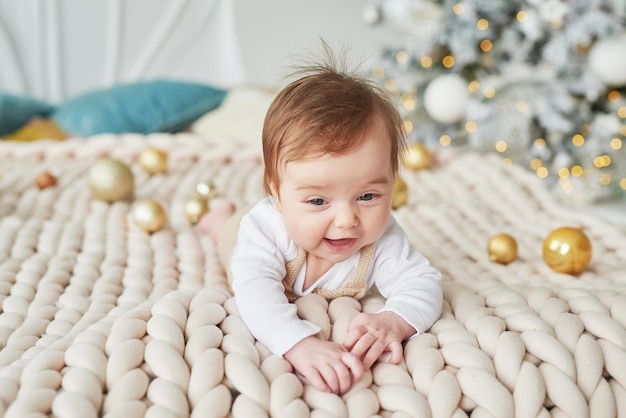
[{"x": 240, "y": 116}]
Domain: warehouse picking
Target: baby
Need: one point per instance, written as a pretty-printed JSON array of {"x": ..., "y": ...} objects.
[{"x": 332, "y": 146}]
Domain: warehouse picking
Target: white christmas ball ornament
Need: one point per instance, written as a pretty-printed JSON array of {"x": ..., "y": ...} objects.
[
  {"x": 420, "y": 18},
  {"x": 607, "y": 60},
  {"x": 446, "y": 97},
  {"x": 371, "y": 13}
]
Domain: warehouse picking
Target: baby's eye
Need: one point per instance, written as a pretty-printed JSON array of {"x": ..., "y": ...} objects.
[
  {"x": 317, "y": 201},
  {"x": 366, "y": 197}
]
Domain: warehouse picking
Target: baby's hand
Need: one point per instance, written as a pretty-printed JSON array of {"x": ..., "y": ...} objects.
[
  {"x": 327, "y": 365},
  {"x": 370, "y": 335}
]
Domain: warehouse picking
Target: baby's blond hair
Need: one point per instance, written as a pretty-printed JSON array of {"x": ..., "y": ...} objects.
[{"x": 327, "y": 110}]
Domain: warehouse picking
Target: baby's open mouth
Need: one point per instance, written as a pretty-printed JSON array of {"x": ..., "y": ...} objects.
[
  {"x": 341, "y": 244},
  {"x": 340, "y": 241}
]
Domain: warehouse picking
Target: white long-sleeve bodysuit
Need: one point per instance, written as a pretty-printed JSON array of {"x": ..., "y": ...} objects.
[{"x": 405, "y": 278}]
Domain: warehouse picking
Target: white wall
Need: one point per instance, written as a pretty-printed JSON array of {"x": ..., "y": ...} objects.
[{"x": 273, "y": 31}]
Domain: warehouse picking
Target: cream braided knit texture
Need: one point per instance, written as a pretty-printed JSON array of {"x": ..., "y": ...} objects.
[{"x": 99, "y": 318}]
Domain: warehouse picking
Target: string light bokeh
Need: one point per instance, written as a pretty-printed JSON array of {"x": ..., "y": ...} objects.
[{"x": 542, "y": 84}]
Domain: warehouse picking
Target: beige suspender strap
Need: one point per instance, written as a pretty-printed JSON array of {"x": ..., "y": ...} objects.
[
  {"x": 293, "y": 267},
  {"x": 356, "y": 286}
]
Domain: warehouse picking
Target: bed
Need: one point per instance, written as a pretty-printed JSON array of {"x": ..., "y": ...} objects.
[{"x": 100, "y": 318}]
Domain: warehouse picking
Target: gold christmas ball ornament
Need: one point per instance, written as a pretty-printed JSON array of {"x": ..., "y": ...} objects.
[
  {"x": 110, "y": 179},
  {"x": 502, "y": 248},
  {"x": 206, "y": 189},
  {"x": 195, "y": 208},
  {"x": 45, "y": 180},
  {"x": 153, "y": 160},
  {"x": 149, "y": 215},
  {"x": 567, "y": 250},
  {"x": 400, "y": 193},
  {"x": 417, "y": 157}
]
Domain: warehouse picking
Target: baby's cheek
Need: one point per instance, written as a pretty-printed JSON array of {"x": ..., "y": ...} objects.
[{"x": 300, "y": 230}]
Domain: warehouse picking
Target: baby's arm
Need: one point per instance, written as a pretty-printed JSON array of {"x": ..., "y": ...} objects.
[
  {"x": 258, "y": 267},
  {"x": 414, "y": 298},
  {"x": 326, "y": 365}
]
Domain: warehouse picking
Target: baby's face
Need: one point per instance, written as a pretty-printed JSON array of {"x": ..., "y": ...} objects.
[{"x": 334, "y": 205}]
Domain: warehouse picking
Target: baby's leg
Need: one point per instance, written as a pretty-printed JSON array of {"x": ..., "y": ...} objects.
[
  {"x": 222, "y": 224},
  {"x": 212, "y": 223},
  {"x": 214, "y": 220}
]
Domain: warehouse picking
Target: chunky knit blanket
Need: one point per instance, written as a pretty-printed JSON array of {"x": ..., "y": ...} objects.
[{"x": 99, "y": 318}]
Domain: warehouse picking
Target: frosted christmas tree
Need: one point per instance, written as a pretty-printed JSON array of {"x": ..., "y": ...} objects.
[{"x": 543, "y": 82}]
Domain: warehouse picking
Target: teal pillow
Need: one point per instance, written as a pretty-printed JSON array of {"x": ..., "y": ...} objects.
[
  {"x": 16, "y": 111},
  {"x": 142, "y": 107}
]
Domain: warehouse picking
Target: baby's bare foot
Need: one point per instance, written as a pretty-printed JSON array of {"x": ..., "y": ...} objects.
[{"x": 212, "y": 222}]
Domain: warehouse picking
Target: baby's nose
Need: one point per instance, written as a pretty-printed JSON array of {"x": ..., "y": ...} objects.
[{"x": 346, "y": 217}]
